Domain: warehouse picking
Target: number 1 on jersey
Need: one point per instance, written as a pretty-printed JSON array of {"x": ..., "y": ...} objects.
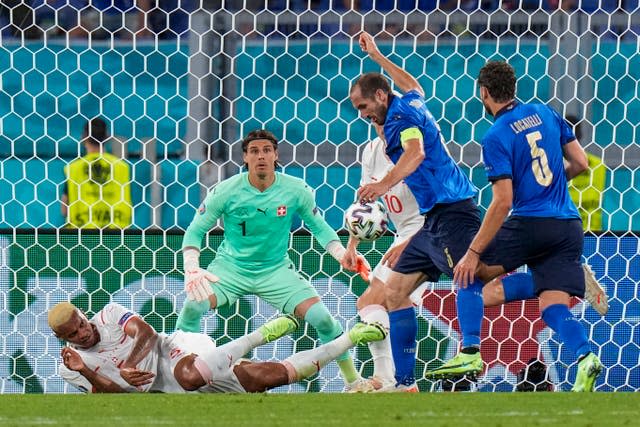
[{"x": 540, "y": 162}]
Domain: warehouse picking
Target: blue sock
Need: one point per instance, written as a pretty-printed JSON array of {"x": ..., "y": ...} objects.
[
  {"x": 470, "y": 308},
  {"x": 571, "y": 332},
  {"x": 517, "y": 287},
  {"x": 403, "y": 333}
]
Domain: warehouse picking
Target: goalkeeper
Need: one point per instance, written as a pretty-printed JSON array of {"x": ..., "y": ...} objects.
[
  {"x": 118, "y": 352},
  {"x": 257, "y": 208}
]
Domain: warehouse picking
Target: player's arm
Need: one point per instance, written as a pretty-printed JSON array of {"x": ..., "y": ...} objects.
[
  {"x": 98, "y": 383},
  {"x": 576, "y": 159},
  {"x": 145, "y": 339},
  {"x": 403, "y": 80},
  {"x": 197, "y": 281},
  {"x": 413, "y": 154},
  {"x": 324, "y": 234},
  {"x": 497, "y": 161},
  {"x": 464, "y": 271}
]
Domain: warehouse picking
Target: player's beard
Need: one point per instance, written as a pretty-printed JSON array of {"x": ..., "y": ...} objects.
[{"x": 380, "y": 115}]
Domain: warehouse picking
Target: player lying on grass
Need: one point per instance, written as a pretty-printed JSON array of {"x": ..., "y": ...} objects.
[{"x": 118, "y": 352}]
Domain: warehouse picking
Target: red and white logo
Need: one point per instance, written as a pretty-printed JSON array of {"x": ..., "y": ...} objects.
[{"x": 282, "y": 210}]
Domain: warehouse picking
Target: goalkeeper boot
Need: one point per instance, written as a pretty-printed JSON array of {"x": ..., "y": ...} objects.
[
  {"x": 363, "y": 333},
  {"x": 276, "y": 328},
  {"x": 594, "y": 292},
  {"x": 588, "y": 370},
  {"x": 461, "y": 364}
]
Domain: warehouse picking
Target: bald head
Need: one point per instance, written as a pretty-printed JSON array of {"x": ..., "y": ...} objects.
[{"x": 60, "y": 315}]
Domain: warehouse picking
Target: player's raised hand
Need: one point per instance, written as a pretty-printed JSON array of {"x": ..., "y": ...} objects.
[
  {"x": 136, "y": 377},
  {"x": 368, "y": 45},
  {"x": 72, "y": 359}
]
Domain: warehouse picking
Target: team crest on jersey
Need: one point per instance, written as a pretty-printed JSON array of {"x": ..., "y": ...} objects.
[
  {"x": 416, "y": 103},
  {"x": 202, "y": 209},
  {"x": 282, "y": 210}
]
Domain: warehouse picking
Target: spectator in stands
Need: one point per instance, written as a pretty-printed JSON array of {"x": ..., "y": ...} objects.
[{"x": 97, "y": 193}]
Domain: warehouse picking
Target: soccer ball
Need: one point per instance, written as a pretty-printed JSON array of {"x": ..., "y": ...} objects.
[{"x": 366, "y": 221}]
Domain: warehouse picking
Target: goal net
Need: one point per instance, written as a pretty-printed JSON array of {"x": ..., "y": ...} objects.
[{"x": 180, "y": 82}]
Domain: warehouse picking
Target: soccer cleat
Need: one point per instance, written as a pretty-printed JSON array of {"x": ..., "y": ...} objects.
[
  {"x": 361, "y": 385},
  {"x": 594, "y": 292},
  {"x": 389, "y": 386},
  {"x": 588, "y": 370},
  {"x": 363, "y": 333},
  {"x": 461, "y": 364},
  {"x": 371, "y": 385},
  {"x": 276, "y": 328},
  {"x": 402, "y": 388}
]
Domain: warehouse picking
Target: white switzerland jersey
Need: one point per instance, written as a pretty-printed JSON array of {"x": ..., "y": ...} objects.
[
  {"x": 400, "y": 202},
  {"x": 111, "y": 351}
]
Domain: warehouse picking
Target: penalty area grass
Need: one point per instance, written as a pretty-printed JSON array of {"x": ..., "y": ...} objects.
[{"x": 323, "y": 409}]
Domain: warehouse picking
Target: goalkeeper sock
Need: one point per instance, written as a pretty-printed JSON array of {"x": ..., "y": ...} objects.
[
  {"x": 380, "y": 350},
  {"x": 191, "y": 314},
  {"x": 403, "y": 331},
  {"x": 571, "y": 332},
  {"x": 328, "y": 329},
  {"x": 470, "y": 308},
  {"x": 307, "y": 363},
  {"x": 517, "y": 287}
]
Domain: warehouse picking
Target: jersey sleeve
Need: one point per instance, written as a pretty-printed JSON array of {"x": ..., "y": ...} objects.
[
  {"x": 566, "y": 132},
  {"x": 205, "y": 218},
  {"x": 76, "y": 379},
  {"x": 497, "y": 162},
  {"x": 365, "y": 162},
  {"x": 312, "y": 218},
  {"x": 114, "y": 314}
]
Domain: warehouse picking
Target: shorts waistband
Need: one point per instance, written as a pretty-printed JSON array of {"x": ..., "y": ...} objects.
[{"x": 439, "y": 207}]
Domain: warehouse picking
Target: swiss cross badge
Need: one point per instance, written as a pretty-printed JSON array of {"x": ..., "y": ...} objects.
[{"x": 282, "y": 210}]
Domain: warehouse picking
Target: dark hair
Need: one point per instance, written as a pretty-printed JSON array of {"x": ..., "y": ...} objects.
[
  {"x": 369, "y": 83},
  {"x": 96, "y": 131},
  {"x": 500, "y": 80},
  {"x": 260, "y": 134}
]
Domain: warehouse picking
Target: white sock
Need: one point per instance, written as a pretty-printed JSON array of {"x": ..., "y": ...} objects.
[
  {"x": 383, "y": 367},
  {"x": 226, "y": 355},
  {"x": 307, "y": 363}
]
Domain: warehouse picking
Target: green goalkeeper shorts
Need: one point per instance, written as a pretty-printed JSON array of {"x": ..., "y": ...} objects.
[{"x": 283, "y": 287}]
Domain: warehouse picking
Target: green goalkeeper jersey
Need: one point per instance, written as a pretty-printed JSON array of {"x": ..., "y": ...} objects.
[{"x": 257, "y": 224}]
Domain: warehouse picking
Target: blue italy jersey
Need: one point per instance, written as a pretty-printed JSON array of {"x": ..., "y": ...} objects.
[
  {"x": 525, "y": 144},
  {"x": 438, "y": 179}
]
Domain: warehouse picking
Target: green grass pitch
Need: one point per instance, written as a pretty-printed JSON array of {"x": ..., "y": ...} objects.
[{"x": 320, "y": 409}]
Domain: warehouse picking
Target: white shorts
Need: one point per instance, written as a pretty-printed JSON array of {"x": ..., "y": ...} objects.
[
  {"x": 382, "y": 271},
  {"x": 173, "y": 349}
]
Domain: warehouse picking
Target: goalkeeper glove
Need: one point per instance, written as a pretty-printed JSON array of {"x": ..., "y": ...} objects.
[{"x": 197, "y": 281}]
